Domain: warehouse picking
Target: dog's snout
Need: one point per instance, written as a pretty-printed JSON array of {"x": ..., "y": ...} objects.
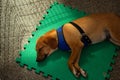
[{"x": 37, "y": 60}]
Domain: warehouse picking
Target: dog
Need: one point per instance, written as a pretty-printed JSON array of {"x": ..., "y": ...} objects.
[{"x": 94, "y": 28}]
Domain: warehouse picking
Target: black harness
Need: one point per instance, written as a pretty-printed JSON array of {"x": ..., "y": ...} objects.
[{"x": 85, "y": 39}]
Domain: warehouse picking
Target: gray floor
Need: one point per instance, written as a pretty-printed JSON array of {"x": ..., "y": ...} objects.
[{"x": 18, "y": 19}]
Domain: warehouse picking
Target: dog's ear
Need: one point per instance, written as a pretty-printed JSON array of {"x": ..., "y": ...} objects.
[
  {"x": 38, "y": 44},
  {"x": 51, "y": 41}
]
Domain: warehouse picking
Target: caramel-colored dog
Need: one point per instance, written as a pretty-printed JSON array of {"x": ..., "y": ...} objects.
[{"x": 96, "y": 26}]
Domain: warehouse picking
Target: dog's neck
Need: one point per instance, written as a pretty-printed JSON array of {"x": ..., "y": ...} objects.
[{"x": 54, "y": 35}]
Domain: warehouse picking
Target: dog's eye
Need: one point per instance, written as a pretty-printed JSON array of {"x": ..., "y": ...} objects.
[{"x": 41, "y": 49}]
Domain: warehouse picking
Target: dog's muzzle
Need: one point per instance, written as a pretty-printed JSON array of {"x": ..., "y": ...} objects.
[{"x": 39, "y": 60}]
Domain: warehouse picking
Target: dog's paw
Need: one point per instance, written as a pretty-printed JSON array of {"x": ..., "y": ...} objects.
[
  {"x": 76, "y": 72},
  {"x": 79, "y": 72},
  {"x": 83, "y": 73}
]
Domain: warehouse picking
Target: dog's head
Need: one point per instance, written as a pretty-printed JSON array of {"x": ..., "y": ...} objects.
[{"x": 45, "y": 46}]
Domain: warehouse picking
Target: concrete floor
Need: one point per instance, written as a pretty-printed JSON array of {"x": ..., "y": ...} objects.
[{"x": 18, "y": 19}]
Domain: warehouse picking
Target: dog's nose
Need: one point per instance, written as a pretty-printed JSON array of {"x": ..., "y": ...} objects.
[{"x": 37, "y": 60}]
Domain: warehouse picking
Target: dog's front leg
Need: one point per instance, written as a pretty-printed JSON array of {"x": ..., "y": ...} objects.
[
  {"x": 73, "y": 61},
  {"x": 83, "y": 73}
]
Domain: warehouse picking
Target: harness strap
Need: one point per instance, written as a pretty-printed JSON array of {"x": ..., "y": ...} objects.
[
  {"x": 78, "y": 27},
  {"x": 85, "y": 39},
  {"x": 61, "y": 40}
]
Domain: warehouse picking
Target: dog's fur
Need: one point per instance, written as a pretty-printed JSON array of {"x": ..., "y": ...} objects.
[{"x": 96, "y": 26}]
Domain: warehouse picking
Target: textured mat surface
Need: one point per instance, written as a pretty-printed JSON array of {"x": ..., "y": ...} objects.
[{"x": 95, "y": 59}]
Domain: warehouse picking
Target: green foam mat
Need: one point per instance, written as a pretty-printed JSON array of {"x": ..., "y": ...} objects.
[{"x": 95, "y": 59}]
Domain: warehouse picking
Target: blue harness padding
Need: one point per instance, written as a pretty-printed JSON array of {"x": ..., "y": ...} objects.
[{"x": 61, "y": 40}]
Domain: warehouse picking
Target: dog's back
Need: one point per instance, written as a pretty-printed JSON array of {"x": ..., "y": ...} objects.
[{"x": 95, "y": 26}]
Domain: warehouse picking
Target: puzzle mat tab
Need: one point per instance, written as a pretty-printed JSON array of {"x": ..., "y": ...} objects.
[{"x": 95, "y": 59}]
